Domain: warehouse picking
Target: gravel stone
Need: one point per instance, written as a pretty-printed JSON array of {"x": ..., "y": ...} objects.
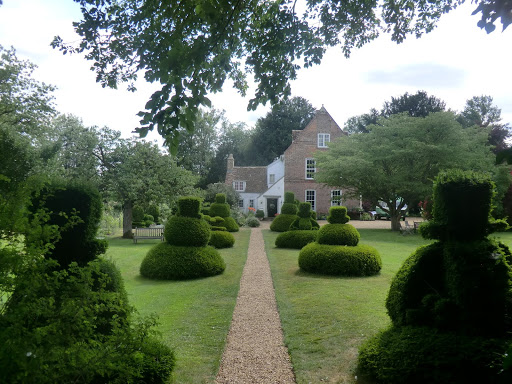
[{"x": 255, "y": 351}]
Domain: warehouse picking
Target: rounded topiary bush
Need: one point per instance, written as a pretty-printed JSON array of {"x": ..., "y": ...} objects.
[
  {"x": 295, "y": 239},
  {"x": 338, "y": 234},
  {"x": 182, "y": 230},
  {"x": 339, "y": 260},
  {"x": 221, "y": 239},
  {"x": 230, "y": 224},
  {"x": 282, "y": 222},
  {"x": 171, "y": 262},
  {"x": 421, "y": 355},
  {"x": 252, "y": 222}
]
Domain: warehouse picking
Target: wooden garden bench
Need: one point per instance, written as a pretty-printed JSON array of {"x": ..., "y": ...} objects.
[{"x": 148, "y": 233}]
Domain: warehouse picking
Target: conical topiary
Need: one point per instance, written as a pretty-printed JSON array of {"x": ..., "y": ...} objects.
[
  {"x": 221, "y": 208},
  {"x": 337, "y": 251},
  {"x": 451, "y": 296},
  {"x": 184, "y": 254},
  {"x": 288, "y": 214}
]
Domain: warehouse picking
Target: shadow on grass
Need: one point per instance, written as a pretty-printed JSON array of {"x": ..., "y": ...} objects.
[{"x": 300, "y": 273}]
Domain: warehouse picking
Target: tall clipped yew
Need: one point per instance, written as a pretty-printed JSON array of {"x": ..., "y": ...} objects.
[
  {"x": 185, "y": 254},
  {"x": 288, "y": 214},
  {"x": 305, "y": 220},
  {"x": 221, "y": 208},
  {"x": 457, "y": 288}
]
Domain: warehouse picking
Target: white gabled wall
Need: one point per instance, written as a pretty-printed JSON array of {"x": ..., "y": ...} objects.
[{"x": 276, "y": 168}]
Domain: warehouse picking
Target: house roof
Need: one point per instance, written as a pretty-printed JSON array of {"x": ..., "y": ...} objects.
[{"x": 255, "y": 178}]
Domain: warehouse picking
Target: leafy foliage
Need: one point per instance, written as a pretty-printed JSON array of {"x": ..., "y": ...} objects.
[
  {"x": 273, "y": 133},
  {"x": 193, "y": 48},
  {"x": 183, "y": 231},
  {"x": 407, "y": 153},
  {"x": 71, "y": 325},
  {"x": 252, "y": 221},
  {"x": 305, "y": 220}
]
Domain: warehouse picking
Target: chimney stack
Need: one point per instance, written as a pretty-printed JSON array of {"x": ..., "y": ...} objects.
[{"x": 231, "y": 162}]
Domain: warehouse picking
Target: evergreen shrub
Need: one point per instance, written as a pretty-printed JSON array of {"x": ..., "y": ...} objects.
[
  {"x": 282, "y": 222},
  {"x": 260, "y": 214},
  {"x": 252, "y": 222},
  {"x": 295, "y": 239},
  {"x": 221, "y": 239},
  {"x": 76, "y": 209},
  {"x": 288, "y": 209},
  {"x": 338, "y": 234},
  {"x": 182, "y": 230},
  {"x": 425, "y": 355},
  {"x": 360, "y": 260},
  {"x": 59, "y": 322},
  {"x": 305, "y": 219},
  {"x": 190, "y": 207},
  {"x": 171, "y": 262},
  {"x": 230, "y": 224},
  {"x": 338, "y": 215},
  {"x": 220, "y": 198}
]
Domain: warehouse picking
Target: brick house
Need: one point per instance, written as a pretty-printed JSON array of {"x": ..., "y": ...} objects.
[{"x": 263, "y": 187}]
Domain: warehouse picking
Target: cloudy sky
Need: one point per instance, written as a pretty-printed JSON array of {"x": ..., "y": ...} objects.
[{"x": 454, "y": 62}]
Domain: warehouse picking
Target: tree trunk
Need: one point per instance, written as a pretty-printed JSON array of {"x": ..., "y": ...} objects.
[
  {"x": 127, "y": 220},
  {"x": 395, "y": 221}
]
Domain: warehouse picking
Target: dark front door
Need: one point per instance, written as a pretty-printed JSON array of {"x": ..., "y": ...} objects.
[{"x": 271, "y": 207}]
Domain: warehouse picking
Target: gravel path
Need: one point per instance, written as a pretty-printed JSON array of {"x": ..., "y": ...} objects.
[{"x": 255, "y": 352}]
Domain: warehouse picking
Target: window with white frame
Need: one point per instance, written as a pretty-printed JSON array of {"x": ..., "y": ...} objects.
[
  {"x": 310, "y": 168},
  {"x": 272, "y": 178},
  {"x": 311, "y": 198},
  {"x": 323, "y": 139},
  {"x": 335, "y": 197},
  {"x": 239, "y": 185},
  {"x": 241, "y": 203},
  {"x": 251, "y": 203}
]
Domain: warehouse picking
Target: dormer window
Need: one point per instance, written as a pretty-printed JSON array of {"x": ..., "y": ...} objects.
[
  {"x": 272, "y": 178},
  {"x": 323, "y": 139},
  {"x": 239, "y": 186}
]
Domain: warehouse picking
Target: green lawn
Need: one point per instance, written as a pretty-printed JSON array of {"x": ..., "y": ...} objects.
[
  {"x": 194, "y": 315},
  {"x": 325, "y": 319}
]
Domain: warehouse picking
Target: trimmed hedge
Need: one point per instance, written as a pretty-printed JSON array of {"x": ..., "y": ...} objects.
[
  {"x": 338, "y": 215},
  {"x": 220, "y": 209},
  {"x": 360, "y": 260},
  {"x": 187, "y": 231},
  {"x": 171, "y": 262},
  {"x": 189, "y": 206},
  {"x": 424, "y": 355},
  {"x": 221, "y": 239},
  {"x": 295, "y": 239},
  {"x": 338, "y": 234},
  {"x": 230, "y": 224},
  {"x": 289, "y": 207},
  {"x": 282, "y": 222}
]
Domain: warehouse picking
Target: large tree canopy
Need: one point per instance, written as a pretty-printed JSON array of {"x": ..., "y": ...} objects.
[
  {"x": 273, "y": 133},
  {"x": 192, "y": 47},
  {"x": 399, "y": 158},
  {"x": 418, "y": 105}
]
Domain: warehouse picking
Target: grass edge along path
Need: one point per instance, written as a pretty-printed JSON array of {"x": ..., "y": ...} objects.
[
  {"x": 325, "y": 319},
  {"x": 255, "y": 352},
  {"x": 194, "y": 315}
]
